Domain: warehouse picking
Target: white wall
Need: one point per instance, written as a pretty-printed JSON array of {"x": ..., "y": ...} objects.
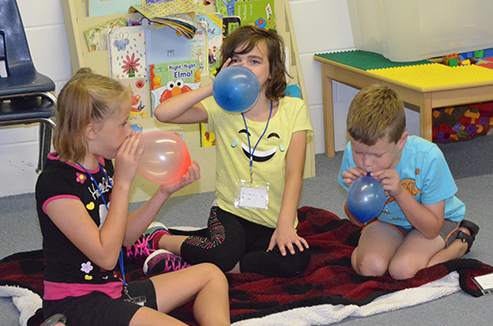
[
  {"x": 320, "y": 25},
  {"x": 45, "y": 29}
]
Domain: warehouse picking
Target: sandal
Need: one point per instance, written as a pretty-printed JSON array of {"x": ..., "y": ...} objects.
[{"x": 464, "y": 237}]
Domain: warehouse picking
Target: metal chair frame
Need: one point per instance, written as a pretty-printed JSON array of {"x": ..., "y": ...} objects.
[{"x": 26, "y": 96}]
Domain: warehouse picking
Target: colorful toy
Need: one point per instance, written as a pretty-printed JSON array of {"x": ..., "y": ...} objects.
[
  {"x": 479, "y": 54},
  {"x": 452, "y": 60},
  {"x": 462, "y": 122}
]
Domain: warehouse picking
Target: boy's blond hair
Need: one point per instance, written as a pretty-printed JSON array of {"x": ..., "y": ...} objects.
[{"x": 376, "y": 112}]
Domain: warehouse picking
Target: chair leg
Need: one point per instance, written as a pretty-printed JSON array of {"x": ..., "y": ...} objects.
[{"x": 45, "y": 132}]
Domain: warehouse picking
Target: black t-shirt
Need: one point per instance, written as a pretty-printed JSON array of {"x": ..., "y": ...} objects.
[{"x": 63, "y": 261}]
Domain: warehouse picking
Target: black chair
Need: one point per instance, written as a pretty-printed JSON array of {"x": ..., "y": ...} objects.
[{"x": 25, "y": 96}]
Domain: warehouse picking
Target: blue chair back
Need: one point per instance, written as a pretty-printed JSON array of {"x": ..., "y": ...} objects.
[
  {"x": 25, "y": 94},
  {"x": 21, "y": 77}
]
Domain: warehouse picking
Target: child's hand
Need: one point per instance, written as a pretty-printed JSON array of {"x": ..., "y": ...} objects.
[
  {"x": 226, "y": 64},
  {"x": 192, "y": 175},
  {"x": 352, "y": 175},
  {"x": 128, "y": 157},
  {"x": 390, "y": 181},
  {"x": 287, "y": 238}
]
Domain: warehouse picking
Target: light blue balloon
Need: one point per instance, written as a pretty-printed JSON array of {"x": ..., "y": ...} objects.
[
  {"x": 236, "y": 89},
  {"x": 366, "y": 198}
]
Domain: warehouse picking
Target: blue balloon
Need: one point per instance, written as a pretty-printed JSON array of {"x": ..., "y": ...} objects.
[
  {"x": 236, "y": 89},
  {"x": 366, "y": 198}
]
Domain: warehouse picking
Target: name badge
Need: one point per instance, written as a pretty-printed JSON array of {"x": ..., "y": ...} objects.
[{"x": 252, "y": 195}]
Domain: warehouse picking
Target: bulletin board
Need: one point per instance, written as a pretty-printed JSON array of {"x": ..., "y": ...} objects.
[{"x": 77, "y": 21}]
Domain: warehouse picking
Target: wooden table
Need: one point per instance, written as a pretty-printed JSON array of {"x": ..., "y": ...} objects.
[{"x": 422, "y": 99}]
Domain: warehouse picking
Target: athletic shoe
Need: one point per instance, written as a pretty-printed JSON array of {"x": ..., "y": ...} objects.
[
  {"x": 144, "y": 246},
  {"x": 162, "y": 261}
]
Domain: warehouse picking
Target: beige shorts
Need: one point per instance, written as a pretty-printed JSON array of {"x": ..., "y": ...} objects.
[{"x": 449, "y": 230}]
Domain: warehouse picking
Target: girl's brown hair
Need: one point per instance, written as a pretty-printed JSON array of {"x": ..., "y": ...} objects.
[
  {"x": 87, "y": 97},
  {"x": 249, "y": 37}
]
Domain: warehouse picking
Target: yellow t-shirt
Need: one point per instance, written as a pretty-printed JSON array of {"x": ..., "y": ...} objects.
[{"x": 269, "y": 163}]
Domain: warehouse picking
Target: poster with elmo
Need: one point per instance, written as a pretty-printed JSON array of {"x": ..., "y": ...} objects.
[{"x": 170, "y": 79}]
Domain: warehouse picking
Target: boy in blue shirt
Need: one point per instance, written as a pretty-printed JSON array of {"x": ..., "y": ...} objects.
[{"x": 422, "y": 223}]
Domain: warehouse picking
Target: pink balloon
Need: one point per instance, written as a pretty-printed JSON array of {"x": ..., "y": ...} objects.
[{"x": 166, "y": 158}]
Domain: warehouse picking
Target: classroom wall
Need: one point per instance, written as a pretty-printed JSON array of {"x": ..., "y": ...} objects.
[{"x": 320, "y": 26}]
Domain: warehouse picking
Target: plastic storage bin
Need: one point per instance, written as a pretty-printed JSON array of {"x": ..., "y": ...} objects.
[{"x": 411, "y": 30}]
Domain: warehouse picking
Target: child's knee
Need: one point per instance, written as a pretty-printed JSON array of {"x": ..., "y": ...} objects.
[
  {"x": 402, "y": 270},
  {"x": 370, "y": 266},
  {"x": 214, "y": 273},
  {"x": 294, "y": 264}
]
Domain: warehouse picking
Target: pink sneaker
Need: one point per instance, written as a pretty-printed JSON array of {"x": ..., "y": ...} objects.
[
  {"x": 162, "y": 261},
  {"x": 144, "y": 246}
]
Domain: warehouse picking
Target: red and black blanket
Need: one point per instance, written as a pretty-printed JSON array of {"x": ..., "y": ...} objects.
[{"x": 328, "y": 279}]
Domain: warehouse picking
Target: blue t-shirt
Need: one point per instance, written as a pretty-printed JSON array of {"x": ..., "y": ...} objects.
[{"x": 424, "y": 173}]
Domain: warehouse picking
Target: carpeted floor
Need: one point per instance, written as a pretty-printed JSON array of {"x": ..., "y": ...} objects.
[{"x": 469, "y": 158}]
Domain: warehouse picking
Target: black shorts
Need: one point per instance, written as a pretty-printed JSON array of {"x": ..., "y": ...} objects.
[{"x": 97, "y": 308}]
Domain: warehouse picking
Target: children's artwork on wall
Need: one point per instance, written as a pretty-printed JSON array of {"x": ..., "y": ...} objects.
[
  {"x": 199, "y": 48},
  {"x": 170, "y": 79},
  {"x": 226, "y": 7},
  {"x": 127, "y": 52},
  {"x": 142, "y": 21},
  {"x": 97, "y": 36},
  {"x": 197, "y": 2},
  {"x": 110, "y": 7},
  {"x": 177, "y": 14},
  {"x": 162, "y": 8},
  {"x": 138, "y": 88},
  {"x": 293, "y": 91},
  {"x": 259, "y": 13},
  {"x": 230, "y": 23},
  {"x": 205, "y": 2},
  {"x": 164, "y": 44},
  {"x": 214, "y": 39},
  {"x": 207, "y": 138}
]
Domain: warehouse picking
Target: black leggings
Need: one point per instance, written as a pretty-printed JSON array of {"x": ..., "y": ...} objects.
[{"x": 231, "y": 239}]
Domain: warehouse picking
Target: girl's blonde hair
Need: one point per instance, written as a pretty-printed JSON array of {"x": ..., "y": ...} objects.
[
  {"x": 250, "y": 36},
  {"x": 86, "y": 98}
]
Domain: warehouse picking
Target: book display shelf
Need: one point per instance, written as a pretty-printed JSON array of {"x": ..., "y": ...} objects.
[{"x": 77, "y": 21}]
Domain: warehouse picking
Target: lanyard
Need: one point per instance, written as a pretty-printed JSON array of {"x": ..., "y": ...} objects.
[
  {"x": 248, "y": 137},
  {"x": 120, "y": 259}
]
